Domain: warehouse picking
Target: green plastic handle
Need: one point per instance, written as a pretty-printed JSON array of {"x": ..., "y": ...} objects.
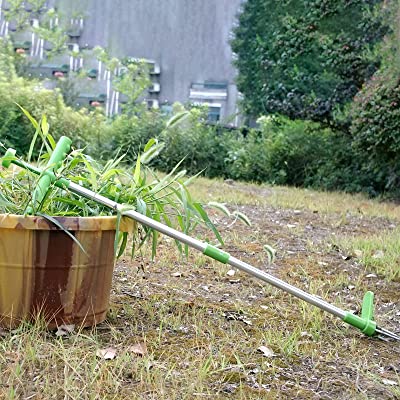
[
  {"x": 367, "y": 311},
  {"x": 10, "y": 158},
  {"x": 59, "y": 154},
  {"x": 366, "y": 322}
]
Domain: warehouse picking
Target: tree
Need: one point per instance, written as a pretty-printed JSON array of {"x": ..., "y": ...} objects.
[
  {"x": 305, "y": 59},
  {"x": 375, "y": 113},
  {"x": 129, "y": 76}
]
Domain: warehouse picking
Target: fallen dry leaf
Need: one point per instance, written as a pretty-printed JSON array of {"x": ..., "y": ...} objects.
[
  {"x": 358, "y": 253},
  {"x": 378, "y": 254},
  {"x": 389, "y": 382},
  {"x": 266, "y": 351},
  {"x": 139, "y": 349},
  {"x": 65, "y": 330},
  {"x": 107, "y": 354}
]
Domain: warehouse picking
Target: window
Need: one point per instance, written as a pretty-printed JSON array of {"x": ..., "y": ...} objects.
[
  {"x": 214, "y": 114},
  {"x": 215, "y": 85}
]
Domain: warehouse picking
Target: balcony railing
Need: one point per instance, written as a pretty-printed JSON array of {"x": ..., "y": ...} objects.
[{"x": 208, "y": 90}]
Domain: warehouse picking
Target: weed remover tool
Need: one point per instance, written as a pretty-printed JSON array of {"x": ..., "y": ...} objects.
[{"x": 365, "y": 322}]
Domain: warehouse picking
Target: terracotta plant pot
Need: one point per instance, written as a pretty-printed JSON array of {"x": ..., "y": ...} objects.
[{"x": 44, "y": 272}]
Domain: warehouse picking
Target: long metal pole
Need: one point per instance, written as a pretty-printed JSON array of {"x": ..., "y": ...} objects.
[
  {"x": 201, "y": 246},
  {"x": 365, "y": 323}
]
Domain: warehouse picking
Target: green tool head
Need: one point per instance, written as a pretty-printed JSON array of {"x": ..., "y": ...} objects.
[
  {"x": 8, "y": 158},
  {"x": 366, "y": 322}
]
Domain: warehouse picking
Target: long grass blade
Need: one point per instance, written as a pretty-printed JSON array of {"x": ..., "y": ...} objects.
[
  {"x": 199, "y": 208},
  {"x": 220, "y": 206},
  {"x": 242, "y": 217},
  {"x": 56, "y": 223}
]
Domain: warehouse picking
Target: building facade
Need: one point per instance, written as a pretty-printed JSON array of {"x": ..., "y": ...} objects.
[{"x": 186, "y": 41}]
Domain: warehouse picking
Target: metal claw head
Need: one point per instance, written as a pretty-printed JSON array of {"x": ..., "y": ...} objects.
[
  {"x": 366, "y": 322},
  {"x": 385, "y": 334}
]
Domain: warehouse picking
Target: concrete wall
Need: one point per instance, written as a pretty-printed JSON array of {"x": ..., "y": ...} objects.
[{"x": 189, "y": 39}]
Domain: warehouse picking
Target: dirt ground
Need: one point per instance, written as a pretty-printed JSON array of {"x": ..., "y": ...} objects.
[
  {"x": 314, "y": 355},
  {"x": 191, "y": 328}
]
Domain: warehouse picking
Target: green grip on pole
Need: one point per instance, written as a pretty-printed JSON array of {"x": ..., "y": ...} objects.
[
  {"x": 367, "y": 310},
  {"x": 216, "y": 254},
  {"x": 366, "y": 322},
  {"x": 47, "y": 176}
]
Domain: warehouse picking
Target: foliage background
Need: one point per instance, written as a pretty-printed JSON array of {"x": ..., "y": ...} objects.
[
  {"x": 322, "y": 76},
  {"x": 306, "y": 59}
]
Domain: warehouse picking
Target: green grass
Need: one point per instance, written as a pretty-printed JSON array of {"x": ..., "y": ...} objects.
[
  {"x": 295, "y": 198},
  {"x": 202, "y": 327},
  {"x": 378, "y": 253},
  {"x": 164, "y": 198}
]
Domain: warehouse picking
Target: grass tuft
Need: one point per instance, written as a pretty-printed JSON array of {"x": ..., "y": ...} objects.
[{"x": 203, "y": 326}]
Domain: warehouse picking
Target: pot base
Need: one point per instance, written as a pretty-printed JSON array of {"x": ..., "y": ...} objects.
[{"x": 44, "y": 273}]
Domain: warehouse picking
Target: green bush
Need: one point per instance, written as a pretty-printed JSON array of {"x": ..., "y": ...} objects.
[
  {"x": 201, "y": 146},
  {"x": 376, "y": 115},
  {"x": 298, "y": 153},
  {"x": 376, "y": 131},
  {"x": 84, "y": 128},
  {"x": 340, "y": 168},
  {"x": 191, "y": 141},
  {"x": 281, "y": 151},
  {"x": 131, "y": 133}
]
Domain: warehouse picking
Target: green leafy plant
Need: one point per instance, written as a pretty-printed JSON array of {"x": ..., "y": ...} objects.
[
  {"x": 306, "y": 59},
  {"x": 202, "y": 146},
  {"x": 85, "y": 128},
  {"x": 375, "y": 116},
  {"x": 165, "y": 199},
  {"x": 188, "y": 139}
]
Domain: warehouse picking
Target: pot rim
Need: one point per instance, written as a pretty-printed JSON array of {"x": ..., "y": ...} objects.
[{"x": 75, "y": 223}]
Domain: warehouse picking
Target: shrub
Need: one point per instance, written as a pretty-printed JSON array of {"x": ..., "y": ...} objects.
[
  {"x": 340, "y": 168},
  {"x": 85, "y": 129},
  {"x": 281, "y": 151},
  {"x": 376, "y": 130},
  {"x": 131, "y": 133},
  {"x": 298, "y": 153},
  {"x": 200, "y": 146}
]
